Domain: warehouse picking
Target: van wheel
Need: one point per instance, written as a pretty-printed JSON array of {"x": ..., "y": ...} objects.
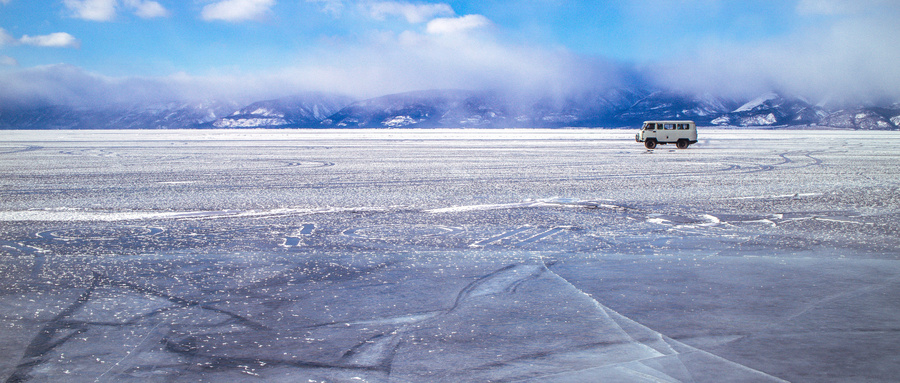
[
  {"x": 682, "y": 144},
  {"x": 650, "y": 144}
]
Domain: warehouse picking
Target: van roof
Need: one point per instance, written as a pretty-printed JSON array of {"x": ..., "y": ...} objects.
[{"x": 668, "y": 122}]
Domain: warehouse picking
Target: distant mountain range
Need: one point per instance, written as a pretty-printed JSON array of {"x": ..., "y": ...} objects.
[
  {"x": 173, "y": 115},
  {"x": 610, "y": 108},
  {"x": 307, "y": 110}
]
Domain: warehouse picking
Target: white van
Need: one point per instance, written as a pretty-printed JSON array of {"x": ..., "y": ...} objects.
[{"x": 680, "y": 133}]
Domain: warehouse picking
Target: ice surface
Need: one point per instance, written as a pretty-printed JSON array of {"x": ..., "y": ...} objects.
[{"x": 448, "y": 255}]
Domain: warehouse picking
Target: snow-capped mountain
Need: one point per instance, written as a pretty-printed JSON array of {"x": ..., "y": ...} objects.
[
  {"x": 173, "y": 115},
  {"x": 614, "y": 107},
  {"x": 865, "y": 118},
  {"x": 610, "y": 108},
  {"x": 599, "y": 107},
  {"x": 473, "y": 109},
  {"x": 304, "y": 110},
  {"x": 434, "y": 108},
  {"x": 772, "y": 109},
  {"x": 668, "y": 105}
]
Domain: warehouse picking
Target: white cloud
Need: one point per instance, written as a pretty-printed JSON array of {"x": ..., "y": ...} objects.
[
  {"x": 147, "y": 9},
  {"x": 53, "y": 40},
  {"x": 106, "y": 10},
  {"x": 6, "y": 38},
  {"x": 237, "y": 10},
  {"x": 398, "y": 62},
  {"x": 457, "y": 24},
  {"x": 8, "y": 61},
  {"x": 840, "y": 7},
  {"x": 69, "y": 85},
  {"x": 848, "y": 56},
  {"x": 384, "y": 64},
  {"x": 334, "y": 7},
  {"x": 94, "y": 10},
  {"x": 821, "y": 7},
  {"x": 413, "y": 13},
  {"x": 850, "y": 59},
  {"x": 381, "y": 62}
]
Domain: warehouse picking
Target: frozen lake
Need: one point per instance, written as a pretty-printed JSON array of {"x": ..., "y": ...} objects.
[{"x": 457, "y": 255}]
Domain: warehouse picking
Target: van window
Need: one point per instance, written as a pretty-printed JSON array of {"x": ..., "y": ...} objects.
[{"x": 669, "y": 126}]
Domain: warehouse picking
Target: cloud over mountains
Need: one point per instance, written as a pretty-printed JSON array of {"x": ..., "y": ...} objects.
[
  {"x": 842, "y": 49},
  {"x": 834, "y": 49}
]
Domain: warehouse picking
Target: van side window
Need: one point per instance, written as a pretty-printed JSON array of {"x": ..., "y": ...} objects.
[{"x": 669, "y": 126}]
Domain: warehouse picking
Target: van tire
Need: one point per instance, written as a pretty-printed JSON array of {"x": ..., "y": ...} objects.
[
  {"x": 682, "y": 144},
  {"x": 650, "y": 144}
]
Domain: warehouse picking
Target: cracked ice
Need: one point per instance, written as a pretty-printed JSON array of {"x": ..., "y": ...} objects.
[{"x": 457, "y": 255}]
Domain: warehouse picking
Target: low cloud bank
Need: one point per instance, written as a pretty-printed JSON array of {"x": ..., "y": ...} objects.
[
  {"x": 854, "y": 60},
  {"x": 464, "y": 56},
  {"x": 843, "y": 52}
]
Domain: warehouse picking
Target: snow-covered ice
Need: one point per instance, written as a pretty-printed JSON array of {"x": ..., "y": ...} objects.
[{"x": 448, "y": 255}]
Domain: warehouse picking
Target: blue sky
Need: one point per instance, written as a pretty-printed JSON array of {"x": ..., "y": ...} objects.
[{"x": 370, "y": 47}]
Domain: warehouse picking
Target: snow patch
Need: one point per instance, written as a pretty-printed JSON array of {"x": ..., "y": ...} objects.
[
  {"x": 398, "y": 121},
  {"x": 755, "y": 103},
  {"x": 459, "y": 209},
  {"x": 783, "y": 196},
  {"x": 249, "y": 122},
  {"x": 724, "y": 120},
  {"x": 759, "y": 120},
  {"x": 79, "y": 215},
  {"x": 267, "y": 113}
]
